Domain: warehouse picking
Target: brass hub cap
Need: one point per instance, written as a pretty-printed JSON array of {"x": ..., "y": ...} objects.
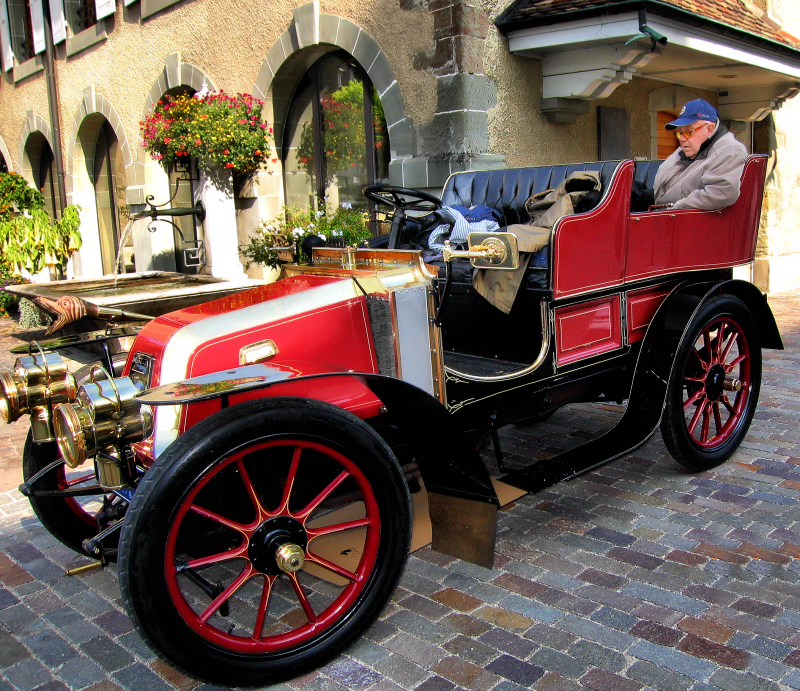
[{"x": 278, "y": 546}]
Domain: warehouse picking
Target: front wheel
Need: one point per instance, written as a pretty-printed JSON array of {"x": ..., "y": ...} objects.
[
  {"x": 714, "y": 385},
  {"x": 264, "y": 541}
]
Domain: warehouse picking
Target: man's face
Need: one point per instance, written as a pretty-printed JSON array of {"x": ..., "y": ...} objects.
[{"x": 692, "y": 137}]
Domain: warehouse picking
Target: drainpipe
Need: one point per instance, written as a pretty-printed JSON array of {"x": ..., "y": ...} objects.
[{"x": 52, "y": 100}]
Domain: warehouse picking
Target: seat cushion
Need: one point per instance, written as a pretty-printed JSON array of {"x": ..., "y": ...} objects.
[{"x": 508, "y": 189}]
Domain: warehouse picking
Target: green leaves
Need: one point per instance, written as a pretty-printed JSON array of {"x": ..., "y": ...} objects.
[{"x": 30, "y": 243}]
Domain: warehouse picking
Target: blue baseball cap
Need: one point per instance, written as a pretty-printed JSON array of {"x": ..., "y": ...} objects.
[{"x": 692, "y": 112}]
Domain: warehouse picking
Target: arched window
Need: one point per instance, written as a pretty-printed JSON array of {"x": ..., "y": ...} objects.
[
  {"x": 335, "y": 140},
  {"x": 108, "y": 178},
  {"x": 43, "y": 169}
]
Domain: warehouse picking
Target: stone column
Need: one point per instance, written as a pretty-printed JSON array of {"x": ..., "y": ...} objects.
[
  {"x": 215, "y": 190},
  {"x": 457, "y": 138}
]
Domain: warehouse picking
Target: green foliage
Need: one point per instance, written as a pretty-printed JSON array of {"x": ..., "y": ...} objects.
[
  {"x": 15, "y": 194},
  {"x": 29, "y": 240},
  {"x": 343, "y": 227},
  {"x": 8, "y": 301},
  {"x": 30, "y": 243},
  {"x": 343, "y": 135},
  {"x": 216, "y": 129}
]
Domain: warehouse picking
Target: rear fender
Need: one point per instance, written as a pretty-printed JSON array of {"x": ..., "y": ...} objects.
[
  {"x": 756, "y": 301},
  {"x": 664, "y": 337}
]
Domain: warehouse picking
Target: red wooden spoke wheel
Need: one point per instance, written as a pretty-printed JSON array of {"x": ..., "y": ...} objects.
[
  {"x": 67, "y": 500},
  {"x": 264, "y": 541},
  {"x": 713, "y": 390},
  {"x": 56, "y": 497}
]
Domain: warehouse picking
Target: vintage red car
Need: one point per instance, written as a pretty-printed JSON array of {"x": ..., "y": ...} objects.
[{"x": 252, "y": 467}]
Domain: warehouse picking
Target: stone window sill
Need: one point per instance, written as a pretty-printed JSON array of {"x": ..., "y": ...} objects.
[
  {"x": 151, "y": 7},
  {"x": 88, "y": 37},
  {"x": 27, "y": 68}
]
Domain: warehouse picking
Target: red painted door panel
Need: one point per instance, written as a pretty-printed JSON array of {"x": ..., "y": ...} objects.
[
  {"x": 587, "y": 329},
  {"x": 589, "y": 248}
]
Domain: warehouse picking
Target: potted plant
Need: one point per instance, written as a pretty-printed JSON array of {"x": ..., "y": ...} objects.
[
  {"x": 340, "y": 227},
  {"x": 217, "y": 129}
]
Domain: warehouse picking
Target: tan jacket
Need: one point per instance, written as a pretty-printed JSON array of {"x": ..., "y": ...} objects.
[{"x": 710, "y": 181}]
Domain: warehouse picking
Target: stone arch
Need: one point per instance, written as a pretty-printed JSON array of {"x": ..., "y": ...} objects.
[
  {"x": 155, "y": 251},
  {"x": 309, "y": 36},
  {"x": 28, "y": 156},
  {"x": 669, "y": 98},
  {"x": 6, "y": 154},
  {"x": 93, "y": 111}
]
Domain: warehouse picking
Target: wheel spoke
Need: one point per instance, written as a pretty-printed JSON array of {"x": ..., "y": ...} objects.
[
  {"x": 706, "y": 422},
  {"x": 726, "y": 402},
  {"x": 323, "y": 495},
  {"x": 234, "y": 553},
  {"x": 696, "y": 417},
  {"x": 718, "y": 342},
  {"x": 227, "y": 522},
  {"x": 290, "y": 478},
  {"x": 707, "y": 345},
  {"x": 251, "y": 490},
  {"x": 717, "y": 417},
  {"x": 727, "y": 349},
  {"x": 263, "y": 606},
  {"x": 700, "y": 360},
  {"x": 337, "y": 528},
  {"x": 78, "y": 480},
  {"x": 301, "y": 596},
  {"x": 694, "y": 397},
  {"x": 247, "y": 572},
  {"x": 344, "y": 573},
  {"x": 733, "y": 363}
]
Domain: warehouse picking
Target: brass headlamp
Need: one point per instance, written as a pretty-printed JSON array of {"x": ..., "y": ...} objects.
[
  {"x": 103, "y": 419},
  {"x": 38, "y": 382}
]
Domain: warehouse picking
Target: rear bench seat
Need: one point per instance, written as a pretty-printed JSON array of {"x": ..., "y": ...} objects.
[{"x": 508, "y": 189}]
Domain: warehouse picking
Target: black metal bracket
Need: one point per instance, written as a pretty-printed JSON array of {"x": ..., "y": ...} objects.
[{"x": 193, "y": 250}]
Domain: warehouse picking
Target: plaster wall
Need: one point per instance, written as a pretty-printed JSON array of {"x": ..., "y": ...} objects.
[
  {"x": 778, "y": 258},
  {"x": 226, "y": 41}
]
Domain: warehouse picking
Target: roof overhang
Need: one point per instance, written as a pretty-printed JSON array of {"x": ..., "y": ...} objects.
[{"x": 586, "y": 57}]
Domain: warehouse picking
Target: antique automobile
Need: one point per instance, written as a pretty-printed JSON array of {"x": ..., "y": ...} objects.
[{"x": 252, "y": 466}]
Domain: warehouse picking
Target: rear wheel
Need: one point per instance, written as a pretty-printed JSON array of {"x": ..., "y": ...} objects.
[
  {"x": 66, "y": 500},
  {"x": 714, "y": 386},
  {"x": 264, "y": 541}
]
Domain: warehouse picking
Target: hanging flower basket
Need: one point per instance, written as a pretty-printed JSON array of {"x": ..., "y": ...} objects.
[{"x": 217, "y": 129}]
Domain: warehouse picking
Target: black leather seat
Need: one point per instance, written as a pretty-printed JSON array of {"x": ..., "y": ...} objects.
[
  {"x": 508, "y": 189},
  {"x": 645, "y": 172}
]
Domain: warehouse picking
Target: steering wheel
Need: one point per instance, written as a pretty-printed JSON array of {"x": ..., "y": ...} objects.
[{"x": 401, "y": 199}]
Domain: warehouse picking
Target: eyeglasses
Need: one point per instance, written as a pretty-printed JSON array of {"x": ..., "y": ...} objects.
[{"x": 687, "y": 132}]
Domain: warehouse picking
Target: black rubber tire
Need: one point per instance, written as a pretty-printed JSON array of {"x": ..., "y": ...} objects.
[
  {"x": 63, "y": 517},
  {"x": 213, "y": 464},
  {"x": 701, "y": 426}
]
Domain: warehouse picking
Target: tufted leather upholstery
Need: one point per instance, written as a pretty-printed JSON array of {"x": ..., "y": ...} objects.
[
  {"x": 645, "y": 172},
  {"x": 508, "y": 189}
]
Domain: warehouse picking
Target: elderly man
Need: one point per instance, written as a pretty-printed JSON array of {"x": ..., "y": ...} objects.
[{"x": 704, "y": 172}]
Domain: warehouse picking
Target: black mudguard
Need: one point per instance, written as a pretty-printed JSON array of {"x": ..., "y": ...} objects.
[
  {"x": 461, "y": 497},
  {"x": 648, "y": 391}
]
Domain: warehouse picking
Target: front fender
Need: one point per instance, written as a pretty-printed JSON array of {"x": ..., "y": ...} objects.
[{"x": 462, "y": 500}]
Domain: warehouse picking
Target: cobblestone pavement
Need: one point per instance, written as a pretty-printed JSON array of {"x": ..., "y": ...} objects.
[{"x": 636, "y": 576}]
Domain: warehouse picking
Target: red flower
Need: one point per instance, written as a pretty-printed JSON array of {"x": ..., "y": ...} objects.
[
  {"x": 167, "y": 140},
  {"x": 229, "y": 165},
  {"x": 225, "y": 153}
]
